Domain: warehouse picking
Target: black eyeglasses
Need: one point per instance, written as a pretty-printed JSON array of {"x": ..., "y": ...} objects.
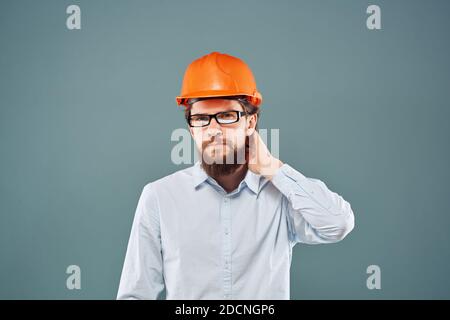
[{"x": 203, "y": 120}]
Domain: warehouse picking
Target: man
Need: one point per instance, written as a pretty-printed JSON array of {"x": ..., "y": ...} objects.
[{"x": 225, "y": 227}]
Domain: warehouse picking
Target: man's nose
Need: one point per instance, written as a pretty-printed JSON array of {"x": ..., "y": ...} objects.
[{"x": 214, "y": 128}]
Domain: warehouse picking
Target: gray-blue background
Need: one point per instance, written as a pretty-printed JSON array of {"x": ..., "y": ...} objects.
[{"x": 86, "y": 118}]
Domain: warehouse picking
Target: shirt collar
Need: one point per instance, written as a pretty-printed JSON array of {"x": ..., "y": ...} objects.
[
  {"x": 199, "y": 175},
  {"x": 251, "y": 179}
]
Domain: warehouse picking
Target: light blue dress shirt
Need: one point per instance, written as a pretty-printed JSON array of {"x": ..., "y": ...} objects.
[{"x": 196, "y": 241}]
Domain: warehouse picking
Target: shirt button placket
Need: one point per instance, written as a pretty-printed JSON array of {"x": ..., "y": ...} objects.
[{"x": 226, "y": 224}]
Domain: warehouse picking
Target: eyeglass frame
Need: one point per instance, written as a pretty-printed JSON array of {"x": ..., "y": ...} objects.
[{"x": 210, "y": 116}]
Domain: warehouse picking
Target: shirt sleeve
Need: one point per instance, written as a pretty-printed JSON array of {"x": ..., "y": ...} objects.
[
  {"x": 142, "y": 273},
  {"x": 315, "y": 214}
]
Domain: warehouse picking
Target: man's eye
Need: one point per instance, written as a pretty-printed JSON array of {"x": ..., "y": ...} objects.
[
  {"x": 199, "y": 118},
  {"x": 227, "y": 115}
]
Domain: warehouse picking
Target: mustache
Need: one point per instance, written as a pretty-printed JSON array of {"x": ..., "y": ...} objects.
[
  {"x": 215, "y": 141},
  {"x": 223, "y": 142}
]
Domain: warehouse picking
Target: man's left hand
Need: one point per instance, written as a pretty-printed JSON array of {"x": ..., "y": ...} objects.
[{"x": 260, "y": 159}]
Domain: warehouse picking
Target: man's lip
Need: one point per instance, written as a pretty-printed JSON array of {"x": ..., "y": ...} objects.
[{"x": 217, "y": 144}]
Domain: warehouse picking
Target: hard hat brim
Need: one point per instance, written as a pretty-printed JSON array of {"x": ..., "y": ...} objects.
[{"x": 181, "y": 100}]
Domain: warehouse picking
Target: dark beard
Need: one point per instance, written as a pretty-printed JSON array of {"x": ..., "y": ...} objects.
[{"x": 224, "y": 168}]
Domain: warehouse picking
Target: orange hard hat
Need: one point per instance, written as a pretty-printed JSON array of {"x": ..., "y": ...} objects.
[{"x": 218, "y": 75}]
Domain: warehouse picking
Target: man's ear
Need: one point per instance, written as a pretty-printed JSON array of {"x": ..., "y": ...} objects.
[{"x": 251, "y": 124}]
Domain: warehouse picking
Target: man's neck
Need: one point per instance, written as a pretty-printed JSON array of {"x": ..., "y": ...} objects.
[{"x": 231, "y": 182}]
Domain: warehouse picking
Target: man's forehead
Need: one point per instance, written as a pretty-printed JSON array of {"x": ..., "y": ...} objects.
[{"x": 215, "y": 105}]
